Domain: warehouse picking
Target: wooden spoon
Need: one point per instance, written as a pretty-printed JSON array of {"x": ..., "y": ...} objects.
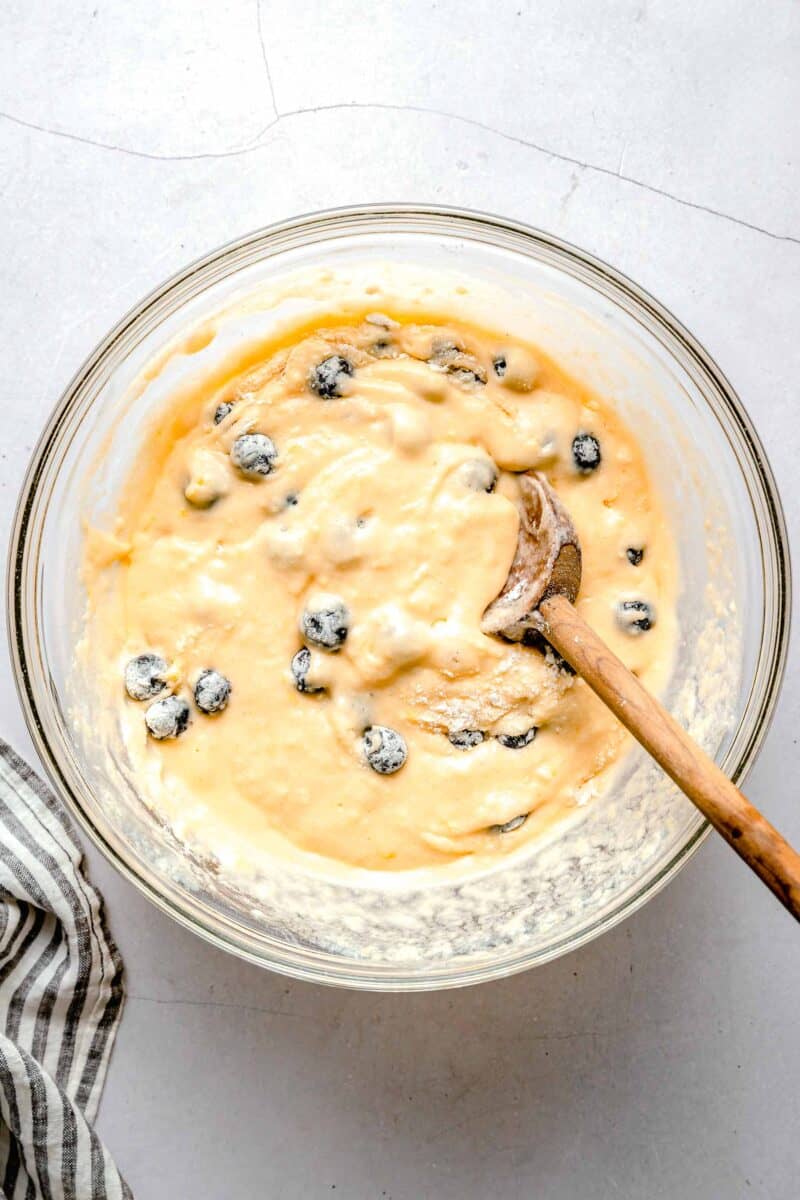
[{"x": 538, "y": 599}]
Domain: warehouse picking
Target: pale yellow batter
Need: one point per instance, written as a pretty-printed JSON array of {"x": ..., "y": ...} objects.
[{"x": 383, "y": 439}]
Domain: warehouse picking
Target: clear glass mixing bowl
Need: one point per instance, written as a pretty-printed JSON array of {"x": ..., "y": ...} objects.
[{"x": 390, "y": 933}]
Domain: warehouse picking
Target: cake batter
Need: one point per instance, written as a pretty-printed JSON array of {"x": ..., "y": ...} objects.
[{"x": 291, "y": 602}]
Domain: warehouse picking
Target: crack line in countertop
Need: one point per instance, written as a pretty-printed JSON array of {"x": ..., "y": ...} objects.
[
  {"x": 266, "y": 61},
  {"x": 256, "y": 144},
  {"x": 255, "y": 1008}
]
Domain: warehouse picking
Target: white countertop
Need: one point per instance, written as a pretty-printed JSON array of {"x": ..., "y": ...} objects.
[{"x": 663, "y": 1059}]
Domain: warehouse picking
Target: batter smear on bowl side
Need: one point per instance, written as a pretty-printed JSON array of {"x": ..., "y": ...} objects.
[{"x": 291, "y": 606}]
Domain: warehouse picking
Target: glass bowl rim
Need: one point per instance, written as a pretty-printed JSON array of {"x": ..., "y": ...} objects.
[{"x": 400, "y": 218}]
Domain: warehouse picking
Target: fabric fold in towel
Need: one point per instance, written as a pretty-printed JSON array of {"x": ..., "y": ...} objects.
[{"x": 61, "y": 997}]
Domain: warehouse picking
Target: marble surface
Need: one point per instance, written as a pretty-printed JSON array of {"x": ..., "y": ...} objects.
[{"x": 663, "y": 1059}]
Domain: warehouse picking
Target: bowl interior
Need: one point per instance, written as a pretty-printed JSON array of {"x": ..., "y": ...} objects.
[{"x": 391, "y": 931}]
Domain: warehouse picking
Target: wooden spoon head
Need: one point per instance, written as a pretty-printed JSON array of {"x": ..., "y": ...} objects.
[{"x": 547, "y": 562}]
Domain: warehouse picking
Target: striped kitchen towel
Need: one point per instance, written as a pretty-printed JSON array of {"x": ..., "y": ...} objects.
[{"x": 61, "y": 995}]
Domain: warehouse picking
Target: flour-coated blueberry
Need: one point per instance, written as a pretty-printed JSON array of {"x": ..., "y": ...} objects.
[
  {"x": 384, "y": 749},
  {"x": 254, "y": 454},
  {"x": 586, "y": 453},
  {"x": 145, "y": 676},
  {"x": 327, "y": 379},
  {"x": 167, "y": 718},
  {"x": 212, "y": 691}
]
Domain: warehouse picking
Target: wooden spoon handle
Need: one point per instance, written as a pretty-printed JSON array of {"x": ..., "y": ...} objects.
[{"x": 742, "y": 826}]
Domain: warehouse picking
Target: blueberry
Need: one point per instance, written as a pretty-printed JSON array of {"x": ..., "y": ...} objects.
[
  {"x": 500, "y": 365},
  {"x": 516, "y": 741},
  {"x": 559, "y": 662},
  {"x": 212, "y": 691},
  {"x": 634, "y": 556},
  {"x": 532, "y": 637},
  {"x": 222, "y": 411},
  {"x": 586, "y": 453},
  {"x": 254, "y": 454},
  {"x": 384, "y": 749},
  {"x": 510, "y": 826},
  {"x": 326, "y": 624},
  {"x": 465, "y": 739},
  {"x": 635, "y": 616},
  {"x": 327, "y": 377},
  {"x": 167, "y": 718},
  {"x": 291, "y": 500},
  {"x": 479, "y": 474},
  {"x": 383, "y": 348},
  {"x": 300, "y": 667},
  {"x": 145, "y": 676}
]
